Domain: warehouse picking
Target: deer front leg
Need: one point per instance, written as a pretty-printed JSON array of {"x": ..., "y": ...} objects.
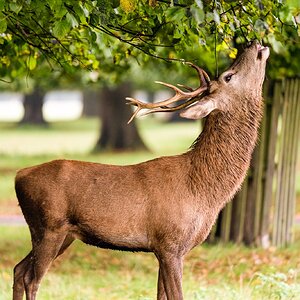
[
  {"x": 161, "y": 294},
  {"x": 170, "y": 277}
]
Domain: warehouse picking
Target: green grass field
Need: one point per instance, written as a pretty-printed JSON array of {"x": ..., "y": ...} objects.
[
  {"x": 85, "y": 272},
  {"x": 211, "y": 272}
]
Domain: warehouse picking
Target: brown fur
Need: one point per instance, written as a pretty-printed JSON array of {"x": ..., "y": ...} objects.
[{"x": 166, "y": 206}]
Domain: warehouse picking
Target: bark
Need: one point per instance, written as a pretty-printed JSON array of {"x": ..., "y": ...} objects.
[
  {"x": 90, "y": 103},
  {"x": 115, "y": 133},
  {"x": 33, "y": 105}
]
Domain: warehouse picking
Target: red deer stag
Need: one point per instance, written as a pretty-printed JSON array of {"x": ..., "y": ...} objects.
[{"x": 167, "y": 205}]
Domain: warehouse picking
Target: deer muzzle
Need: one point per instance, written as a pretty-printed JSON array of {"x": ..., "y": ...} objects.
[{"x": 262, "y": 52}]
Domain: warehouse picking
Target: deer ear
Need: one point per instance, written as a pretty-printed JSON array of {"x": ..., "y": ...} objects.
[{"x": 199, "y": 110}]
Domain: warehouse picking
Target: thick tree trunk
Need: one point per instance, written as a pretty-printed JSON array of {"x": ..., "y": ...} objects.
[
  {"x": 115, "y": 133},
  {"x": 90, "y": 103},
  {"x": 33, "y": 105}
]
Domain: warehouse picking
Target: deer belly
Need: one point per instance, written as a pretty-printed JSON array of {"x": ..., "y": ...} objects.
[
  {"x": 120, "y": 238},
  {"x": 123, "y": 244}
]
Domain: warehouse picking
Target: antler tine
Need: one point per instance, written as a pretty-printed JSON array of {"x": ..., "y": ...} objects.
[
  {"x": 186, "y": 87},
  {"x": 203, "y": 76},
  {"x": 169, "y": 109},
  {"x": 140, "y": 105},
  {"x": 153, "y": 106},
  {"x": 191, "y": 96}
]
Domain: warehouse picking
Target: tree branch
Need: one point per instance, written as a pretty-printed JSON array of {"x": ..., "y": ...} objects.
[{"x": 129, "y": 42}]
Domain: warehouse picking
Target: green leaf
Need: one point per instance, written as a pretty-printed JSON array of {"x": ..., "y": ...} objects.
[
  {"x": 72, "y": 20},
  {"x": 2, "y": 4},
  {"x": 61, "y": 28},
  {"x": 175, "y": 14},
  {"x": 115, "y": 3},
  {"x": 178, "y": 33},
  {"x": 198, "y": 14},
  {"x": 31, "y": 63},
  {"x": 199, "y": 4},
  {"x": 216, "y": 17},
  {"x": 81, "y": 14},
  {"x": 209, "y": 17},
  {"x": 3, "y": 23},
  {"x": 54, "y": 4},
  {"x": 15, "y": 7},
  {"x": 57, "y": 7}
]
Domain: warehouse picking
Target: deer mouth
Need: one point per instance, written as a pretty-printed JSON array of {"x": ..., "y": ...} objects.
[{"x": 263, "y": 52}]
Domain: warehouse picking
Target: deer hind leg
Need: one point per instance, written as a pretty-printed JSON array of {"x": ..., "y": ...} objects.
[
  {"x": 170, "y": 277},
  {"x": 21, "y": 268},
  {"x": 19, "y": 271},
  {"x": 44, "y": 252},
  {"x": 69, "y": 239}
]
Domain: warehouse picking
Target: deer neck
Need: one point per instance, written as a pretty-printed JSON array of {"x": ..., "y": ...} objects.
[{"x": 221, "y": 154}]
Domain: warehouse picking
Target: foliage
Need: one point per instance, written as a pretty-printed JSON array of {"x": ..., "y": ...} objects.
[
  {"x": 279, "y": 285},
  {"x": 106, "y": 36}
]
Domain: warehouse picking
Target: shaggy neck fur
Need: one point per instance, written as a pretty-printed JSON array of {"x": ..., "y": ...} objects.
[{"x": 221, "y": 155}]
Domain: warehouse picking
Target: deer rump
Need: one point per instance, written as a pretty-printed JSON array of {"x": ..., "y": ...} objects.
[{"x": 166, "y": 205}]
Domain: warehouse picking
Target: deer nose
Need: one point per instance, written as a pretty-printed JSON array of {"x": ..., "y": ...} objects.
[
  {"x": 254, "y": 43},
  {"x": 263, "y": 52},
  {"x": 250, "y": 43}
]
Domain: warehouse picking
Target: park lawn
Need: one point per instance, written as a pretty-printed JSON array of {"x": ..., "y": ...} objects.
[{"x": 210, "y": 272}]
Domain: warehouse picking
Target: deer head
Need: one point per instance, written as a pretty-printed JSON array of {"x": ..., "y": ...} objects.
[{"x": 242, "y": 82}]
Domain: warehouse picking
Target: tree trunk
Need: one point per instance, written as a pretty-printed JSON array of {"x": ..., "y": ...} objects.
[
  {"x": 33, "y": 104},
  {"x": 90, "y": 103},
  {"x": 115, "y": 133}
]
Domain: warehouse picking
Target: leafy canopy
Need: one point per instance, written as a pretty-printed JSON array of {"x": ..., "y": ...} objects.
[{"x": 105, "y": 36}]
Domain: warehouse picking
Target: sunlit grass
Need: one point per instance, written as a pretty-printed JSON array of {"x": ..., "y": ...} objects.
[
  {"x": 79, "y": 137},
  {"x": 211, "y": 272},
  {"x": 58, "y": 138}
]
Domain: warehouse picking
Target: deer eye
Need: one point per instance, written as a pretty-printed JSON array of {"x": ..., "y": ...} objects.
[{"x": 227, "y": 78}]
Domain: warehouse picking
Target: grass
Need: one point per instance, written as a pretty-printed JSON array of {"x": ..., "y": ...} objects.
[
  {"x": 85, "y": 272},
  {"x": 78, "y": 137},
  {"x": 211, "y": 272}
]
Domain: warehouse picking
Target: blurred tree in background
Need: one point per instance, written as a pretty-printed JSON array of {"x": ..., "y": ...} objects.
[{"x": 33, "y": 104}]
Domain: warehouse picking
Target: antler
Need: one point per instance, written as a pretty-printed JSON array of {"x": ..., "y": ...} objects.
[{"x": 191, "y": 96}]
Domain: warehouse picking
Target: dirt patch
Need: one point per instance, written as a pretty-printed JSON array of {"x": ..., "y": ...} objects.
[
  {"x": 12, "y": 220},
  {"x": 10, "y": 207},
  {"x": 5, "y": 171},
  {"x": 298, "y": 204}
]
